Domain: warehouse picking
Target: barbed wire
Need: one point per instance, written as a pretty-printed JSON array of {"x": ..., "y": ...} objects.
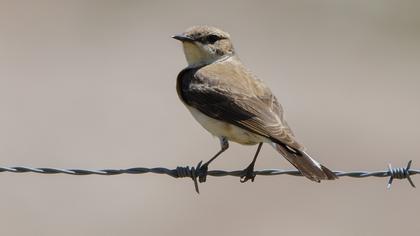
[{"x": 192, "y": 172}]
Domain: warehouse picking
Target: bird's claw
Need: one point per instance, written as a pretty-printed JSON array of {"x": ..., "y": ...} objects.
[
  {"x": 248, "y": 175},
  {"x": 202, "y": 172}
]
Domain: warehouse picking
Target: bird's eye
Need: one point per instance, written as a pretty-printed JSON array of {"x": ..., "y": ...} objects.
[{"x": 211, "y": 38}]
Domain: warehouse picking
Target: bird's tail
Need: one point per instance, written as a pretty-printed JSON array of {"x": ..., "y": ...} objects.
[{"x": 310, "y": 168}]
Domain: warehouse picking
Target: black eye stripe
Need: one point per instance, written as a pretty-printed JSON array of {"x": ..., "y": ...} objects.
[{"x": 210, "y": 39}]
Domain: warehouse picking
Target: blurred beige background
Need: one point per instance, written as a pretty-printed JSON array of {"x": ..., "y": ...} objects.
[{"x": 91, "y": 84}]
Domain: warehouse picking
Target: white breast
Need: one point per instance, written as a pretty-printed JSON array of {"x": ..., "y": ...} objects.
[{"x": 231, "y": 132}]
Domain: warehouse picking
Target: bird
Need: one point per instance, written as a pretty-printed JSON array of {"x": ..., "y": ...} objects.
[{"x": 231, "y": 103}]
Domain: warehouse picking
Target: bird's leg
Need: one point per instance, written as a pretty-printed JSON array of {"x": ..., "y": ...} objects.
[
  {"x": 202, "y": 171},
  {"x": 249, "y": 171}
]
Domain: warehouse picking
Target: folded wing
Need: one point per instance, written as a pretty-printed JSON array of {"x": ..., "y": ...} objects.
[{"x": 227, "y": 91}]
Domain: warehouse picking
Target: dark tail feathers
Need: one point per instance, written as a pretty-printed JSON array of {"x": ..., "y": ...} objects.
[{"x": 310, "y": 168}]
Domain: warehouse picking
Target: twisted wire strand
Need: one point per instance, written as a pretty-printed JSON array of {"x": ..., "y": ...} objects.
[{"x": 193, "y": 172}]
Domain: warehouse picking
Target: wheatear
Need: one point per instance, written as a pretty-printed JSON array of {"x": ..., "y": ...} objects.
[{"x": 232, "y": 104}]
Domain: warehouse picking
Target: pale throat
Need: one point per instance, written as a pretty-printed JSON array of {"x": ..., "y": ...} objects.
[{"x": 197, "y": 56}]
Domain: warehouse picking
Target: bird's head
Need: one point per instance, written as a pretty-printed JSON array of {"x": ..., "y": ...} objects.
[{"x": 205, "y": 44}]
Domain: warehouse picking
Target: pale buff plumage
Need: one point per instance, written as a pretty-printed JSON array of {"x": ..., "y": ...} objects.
[{"x": 231, "y": 103}]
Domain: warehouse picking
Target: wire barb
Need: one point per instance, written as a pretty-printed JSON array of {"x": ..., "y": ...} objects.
[
  {"x": 400, "y": 173},
  {"x": 194, "y": 172},
  {"x": 191, "y": 172}
]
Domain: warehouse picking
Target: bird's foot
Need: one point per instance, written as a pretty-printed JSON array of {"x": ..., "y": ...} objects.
[
  {"x": 202, "y": 172},
  {"x": 249, "y": 174}
]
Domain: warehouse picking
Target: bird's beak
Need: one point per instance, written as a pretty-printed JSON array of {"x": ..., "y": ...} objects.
[{"x": 182, "y": 38}]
